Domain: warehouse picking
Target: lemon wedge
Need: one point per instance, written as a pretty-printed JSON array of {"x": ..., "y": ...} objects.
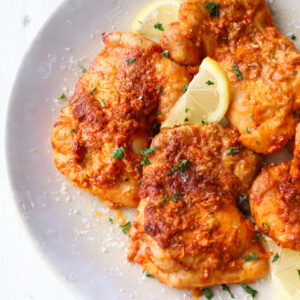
[
  {"x": 206, "y": 98},
  {"x": 155, "y": 17},
  {"x": 284, "y": 271}
]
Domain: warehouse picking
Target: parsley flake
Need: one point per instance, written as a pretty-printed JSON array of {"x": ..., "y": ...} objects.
[
  {"x": 175, "y": 197},
  {"x": 213, "y": 9},
  {"x": 211, "y": 213},
  {"x": 165, "y": 53},
  {"x": 275, "y": 258},
  {"x": 267, "y": 226},
  {"x": 249, "y": 290},
  {"x": 237, "y": 72},
  {"x": 179, "y": 168},
  {"x": 102, "y": 103},
  {"x": 158, "y": 26},
  {"x": 204, "y": 122},
  {"x": 148, "y": 150},
  {"x": 251, "y": 117},
  {"x": 140, "y": 180},
  {"x": 111, "y": 221},
  {"x": 185, "y": 88},
  {"x": 125, "y": 227},
  {"x": 293, "y": 37},
  {"x": 295, "y": 73},
  {"x": 232, "y": 150},
  {"x": 93, "y": 91},
  {"x": 207, "y": 293},
  {"x": 119, "y": 153},
  {"x": 147, "y": 274},
  {"x": 186, "y": 119},
  {"x": 139, "y": 21},
  {"x": 62, "y": 96},
  {"x": 225, "y": 287},
  {"x": 247, "y": 130},
  {"x": 186, "y": 110},
  {"x": 208, "y": 82},
  {"x": 73, "y": 130},
  {"x": 159, "y": 90},
  {"x": 117, "y": 42},
  {"x": 145, "y": 161},
  {"x": 131, "y": 61},
  {"x": 249, "y": 257},
  {"x": 83, "y": 69},
  {"x": 164, "y": 200}
]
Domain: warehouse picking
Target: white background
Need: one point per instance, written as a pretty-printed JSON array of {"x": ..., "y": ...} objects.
[{"x": 23, "y": 273}]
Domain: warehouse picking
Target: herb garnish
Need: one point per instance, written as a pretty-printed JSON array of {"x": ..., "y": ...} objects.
[
  {"x": 165, "y": 53},
  {"x": 62, "y": 96},
  {"x": 249, "y": 290},
  {"x": 147, "y": 274},
  {"x": 164, "y": 200},
  {"x": 232, "y": 150},
  {"x": 268, "y": 227},
  {"x": 140, "y": 180},
  {"x": 185, "y": 88},
  {"x": 131, "y": 61},
  {"x": 159, "y": 90},
  {"x": 249, "y": 257},
  {"x": 225, "y": 287},
  {"x": 111, "y": 221},
  {"x": 175, "y": 197},
  {"x": 148, "y": 150},
  {"x": 186, "y": 119},
  {"x": 295, "y": 73},
  {"x": 93, "y": 91},
  {"x": 140, "y": 22},
  {"x": 83, "y": 69},
  {"x": 158, "y": 26},
  {"x": 293, "y": 37},
  {"x": 102, "y": 103},
  {"x": 145, "y": 161},
  {"x": 156, "y": 129},
  {"x": 207, "y": 293},
  {"x": 204, "y": 122},
  {"x": 118, "y": 153},
  {"x": 275, "y": 258},
  {"x": 251, "y": 117},
  {"x": 73, "y": 130},
  {"x": 213, "y": 9},
  {"x": 237, "y": 72},
  {"x": 186, "y": 110},
  {"x": 179, "y": 168},
  {"x": 208, "y": 82},
  {"x": 247, "y": 130},
  {"x": 125, "y": 227}
]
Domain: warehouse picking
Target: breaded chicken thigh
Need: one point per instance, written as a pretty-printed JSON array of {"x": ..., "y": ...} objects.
[
  {"x": 262, "y": 64},
  {"x": 128, "y": 88},
  {"x": 189, "y": 232},
  {"x": 275, "y": 201}
]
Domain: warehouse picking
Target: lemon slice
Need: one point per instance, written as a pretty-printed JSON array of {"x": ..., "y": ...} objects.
[
  {"x": 284, "y": 272},
  {"x": 206, "y": 98},
  {"x": 155, "y": 17}
]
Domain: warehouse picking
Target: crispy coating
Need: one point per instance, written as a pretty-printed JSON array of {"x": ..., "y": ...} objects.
[
  {"x": 275, "y": 201},
  {"x": 262, "y": 64},
  {"x": 189, "y": 232},
  {"x": 115, "y": 104}
]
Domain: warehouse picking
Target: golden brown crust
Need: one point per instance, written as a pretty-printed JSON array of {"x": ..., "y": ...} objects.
[
  {"x": 115, "y": 105},
  {"x": 265, "y": 100},
  {"x": 189, "y": 232}
]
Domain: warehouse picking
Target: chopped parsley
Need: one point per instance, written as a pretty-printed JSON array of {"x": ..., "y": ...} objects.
[
  {"x": 247, "y": 130},
  {"x": 208, "y": 82},
  {"x": 165, "y": 53},
  {"x": 251, "y": 117},
  {"x": 83, "y": 69},
  {"x": 211, "y": 213},
  {"x": 258, "y": 236},
  {"x": 102, "y": 103},
  {"x": 159, "y": 90},
  {"x": 186, "y": 119},
  {"x": 131, "y": 61},
  {"x": 249, "y": 257},
  {"x": 186, "y": 110},
  {"x": 207, "y": 293},
  {"x": 225, "y": 287},
  {"x": 145, "y": 161},
  {"x": 237, "y": 72},
  {"x": 267, "y": 226},
  {"x": 139, "y": 169},
  {"x": 164, "y": 200},
  {"x": 185, "y": 88},
  {"x": 147, "y": 274},
  {"x": 295, "y": 73},
  {"x": 139, "y": 21},
  {"x": 232, "y": 150},
  {"x": 73, "y": 130},
  {"x": 125, "y": 227},
  {"x": 293, "y": 37},
  {"x": 119, "y": 153},
  {"x": 111, "y": 221},
  {"x": 117, "y": 42},
  {"x": 275, "y": 258},
  {"x": 213, "y": 9},
  {"x": 243, "y": 204},
  {"x": 175, "y": 197},
  {"x": 93, "y": 91},
  {"x": 148, "y": 150},
  {"x": 140, "y": 180},
  {"x": 204, "y": 122},
  {"x": 62, "y": 96},
  {"x": 156, "y": 129},
  {"x": 249, "y": 290},
  {"x": 179, "y": 168},
  {"x": 272, "y": 56},
  {"x": 158, "y": 26}
]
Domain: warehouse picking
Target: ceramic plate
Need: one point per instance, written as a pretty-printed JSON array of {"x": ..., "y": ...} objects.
[{"x": 70, "y": 227}]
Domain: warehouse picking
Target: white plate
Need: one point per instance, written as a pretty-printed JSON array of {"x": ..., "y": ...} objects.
[{"x": 62, "y": 220}]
